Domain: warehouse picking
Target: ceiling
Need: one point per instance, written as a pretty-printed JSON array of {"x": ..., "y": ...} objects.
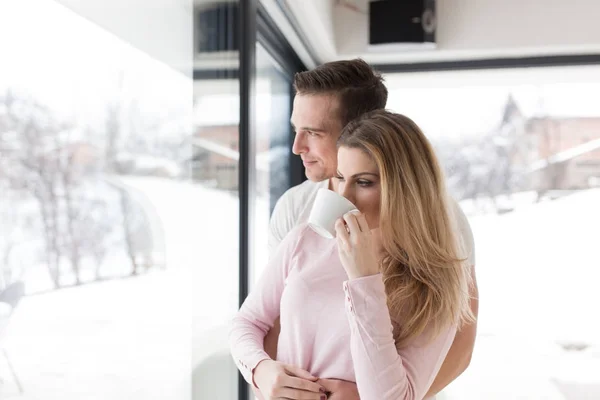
[
  {"x": 326, "y": 30},
  {"x": 466, "y": 29}
]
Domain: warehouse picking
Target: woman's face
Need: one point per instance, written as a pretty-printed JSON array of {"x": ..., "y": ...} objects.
[{"x": 359, "y": 182}]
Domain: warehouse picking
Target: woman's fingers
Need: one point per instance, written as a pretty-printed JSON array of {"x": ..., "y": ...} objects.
[
  {"x": 292, "y": 370},
  {"x": 341, "y": 231},
  {"x": 362, "y": 222},
  {"x": 297, "y": 394},
  {"x": 340, "y": 389},
  {"x": 304, "y": 385},
  {"x": 302, "y": 380},
  {"x": 297, "y": 388},
  {"x": 352, "y": 222}
]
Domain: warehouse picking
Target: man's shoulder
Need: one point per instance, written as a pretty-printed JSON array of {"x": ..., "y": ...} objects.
[
  {"x": 464, "y": 227},
  {"x": 291, "y": 209},
  {"x": 295, "y": 203},
  {"x": 458, "y": 213}
]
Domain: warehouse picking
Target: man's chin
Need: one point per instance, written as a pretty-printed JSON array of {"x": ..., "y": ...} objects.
[{"x": 314, "y": 176}]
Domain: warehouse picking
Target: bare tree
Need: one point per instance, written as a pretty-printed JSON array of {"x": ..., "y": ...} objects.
[
  {"x": 40, "y": 160},
  {"x": 491, "y": 163},
  {"x": 36, "y": 173}
]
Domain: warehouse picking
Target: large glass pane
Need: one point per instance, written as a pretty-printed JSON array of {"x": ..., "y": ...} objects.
[
  {"x": 215, "y": 168},
  {"x": 215, "y": 165},
  {"x": 272, "y": 151},
  {"x": 521, "y": 149},
  {"x": 98, "y": 212}
]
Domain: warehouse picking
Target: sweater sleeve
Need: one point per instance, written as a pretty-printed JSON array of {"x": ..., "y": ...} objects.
[
  {"x": 260, "y": 310},
  {"x": 382, "y": 370}
]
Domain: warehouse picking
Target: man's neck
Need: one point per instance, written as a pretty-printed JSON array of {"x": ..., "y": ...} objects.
[{"x": 333, "y": 184}]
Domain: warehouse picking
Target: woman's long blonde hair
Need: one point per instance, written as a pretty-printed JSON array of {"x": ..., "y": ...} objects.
[{"x": 424, "y": 265}]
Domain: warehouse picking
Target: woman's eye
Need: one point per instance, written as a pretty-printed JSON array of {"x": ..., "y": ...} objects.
[
  {"x": 339, "y": 178},
  {"x": 364, "y": 183}
]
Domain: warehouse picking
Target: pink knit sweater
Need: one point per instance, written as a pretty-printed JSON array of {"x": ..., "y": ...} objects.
[{"x": 331, "y": 326}]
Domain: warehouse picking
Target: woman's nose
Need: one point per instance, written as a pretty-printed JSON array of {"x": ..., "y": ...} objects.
[{"x": 345, "y": 191}]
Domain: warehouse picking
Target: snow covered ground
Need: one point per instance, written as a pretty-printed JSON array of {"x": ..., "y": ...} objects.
[
  {"x": 124, "y": 339},
  {"x": 538, "y": 270},
  {"x": 145, "y": 337},
  {"x": 538, "y": 273}
]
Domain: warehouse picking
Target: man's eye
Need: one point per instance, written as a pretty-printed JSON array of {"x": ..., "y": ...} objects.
[{"x": 339, "y": 178}]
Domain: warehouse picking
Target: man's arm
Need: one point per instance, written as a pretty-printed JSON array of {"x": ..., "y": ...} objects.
[
  {"x": 270, "y": 345},
  {"x": 459, "y": 356}
]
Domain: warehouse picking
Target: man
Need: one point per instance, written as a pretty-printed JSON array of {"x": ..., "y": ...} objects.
[{"x": 327, "y": 98}]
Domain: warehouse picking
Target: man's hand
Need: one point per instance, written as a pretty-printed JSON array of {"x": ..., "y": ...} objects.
[
  {"x": 339, "y": 389},
  {"x": 276, "y": 380}
]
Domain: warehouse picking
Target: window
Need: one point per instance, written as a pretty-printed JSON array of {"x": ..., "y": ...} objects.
[
  {"x": 508, "y": 140},
  {"x": 273, "y": 149},
  {"x": 215, "y": 136},
  {"x": 99, "y": 213}
]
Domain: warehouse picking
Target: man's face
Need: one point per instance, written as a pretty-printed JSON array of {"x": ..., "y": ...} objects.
[{"x": 315, "y": 120}]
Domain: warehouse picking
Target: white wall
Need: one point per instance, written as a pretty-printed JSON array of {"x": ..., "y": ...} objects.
[
  {"x": 466, "y": 29},
  {"x": 160, "y": 28},
  {"x": 493, "y": 24}
]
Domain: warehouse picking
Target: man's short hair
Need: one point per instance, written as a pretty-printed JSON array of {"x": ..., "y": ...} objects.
[{"x": 356, "y": 85}]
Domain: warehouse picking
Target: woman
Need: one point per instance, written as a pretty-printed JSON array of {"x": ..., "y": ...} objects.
[{"x": 381, "y": 303}]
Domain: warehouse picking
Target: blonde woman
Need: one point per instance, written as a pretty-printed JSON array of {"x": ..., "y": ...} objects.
[{"x": 379, "y": 305}]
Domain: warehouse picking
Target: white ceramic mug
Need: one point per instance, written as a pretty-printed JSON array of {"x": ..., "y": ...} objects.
[{"x": 327, "y": 208}]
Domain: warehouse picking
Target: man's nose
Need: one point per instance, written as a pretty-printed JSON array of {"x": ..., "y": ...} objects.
[{"x": 299, "y": 145}]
